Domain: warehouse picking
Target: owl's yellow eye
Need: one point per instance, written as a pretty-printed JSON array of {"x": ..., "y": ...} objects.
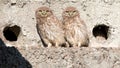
[
  {"x": 40, "y": 10},
  {"x": 47, "y": 10},
  {"x": 74, "y": 11},
  {"x": 66, "y": 11}
]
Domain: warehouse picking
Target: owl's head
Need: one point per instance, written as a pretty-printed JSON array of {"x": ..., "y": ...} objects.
[
  {"x": 70, "y": 12},
  {"x": 44, "y": 12}
]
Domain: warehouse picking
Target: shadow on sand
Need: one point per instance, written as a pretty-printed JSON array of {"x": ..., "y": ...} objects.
[{"x": 10, "y": 57}]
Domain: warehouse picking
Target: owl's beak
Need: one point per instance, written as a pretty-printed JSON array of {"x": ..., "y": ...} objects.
[
  {"x": 44, "y": 12},
  {"x": 70, "y": 13}
]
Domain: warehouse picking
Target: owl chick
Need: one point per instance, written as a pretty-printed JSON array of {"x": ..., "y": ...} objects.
[
  {"x": 49, "y": 28},
  {"x": 75, "y": 29}
]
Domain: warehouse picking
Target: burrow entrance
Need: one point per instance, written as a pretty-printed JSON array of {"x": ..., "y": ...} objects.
[
  {"x": 101, "y": 30},
  {"x": 11, "y": 33}
]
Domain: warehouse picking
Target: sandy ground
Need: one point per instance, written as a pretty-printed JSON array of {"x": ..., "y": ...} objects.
[{"x": 37, "y": 57}]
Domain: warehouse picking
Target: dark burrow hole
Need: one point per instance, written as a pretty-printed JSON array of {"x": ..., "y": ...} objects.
[
  {"x": 12, "y": 4},
  {"x": 11, "y": 33},
  {"x": 101, "y": 30}
]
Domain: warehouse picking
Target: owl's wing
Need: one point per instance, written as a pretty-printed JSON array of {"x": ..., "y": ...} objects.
[
  {"x": 39, "y": 33},
  {"x": 60, "y": 23}
]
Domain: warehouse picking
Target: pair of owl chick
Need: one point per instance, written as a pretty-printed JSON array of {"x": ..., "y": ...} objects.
[{"x": 71, "y": 32}]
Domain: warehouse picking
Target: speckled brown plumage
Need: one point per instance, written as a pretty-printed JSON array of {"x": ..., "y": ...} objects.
[
  {"x": 75, "y": 28},
  {"x": 49, "y": 27}
]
